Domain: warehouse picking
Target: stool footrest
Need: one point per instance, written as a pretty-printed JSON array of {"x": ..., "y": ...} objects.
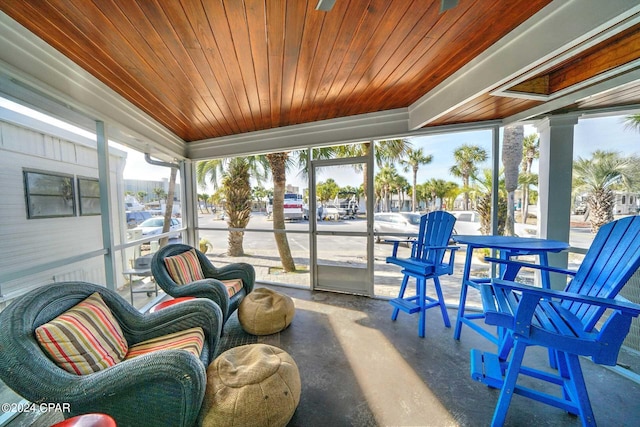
[
  {"x": 404, "y": 305},
  {"x": 485, "y": 368}
]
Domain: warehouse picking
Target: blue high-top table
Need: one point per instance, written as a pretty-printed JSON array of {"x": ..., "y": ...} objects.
[{"x": 507, "y": 247}]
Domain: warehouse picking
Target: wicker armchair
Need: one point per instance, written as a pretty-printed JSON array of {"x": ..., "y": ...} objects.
[
  {"x": 159, "y": 388},
  {"x": 211, "y": 287}
]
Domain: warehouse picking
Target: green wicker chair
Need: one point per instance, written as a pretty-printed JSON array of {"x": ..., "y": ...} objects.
[
  {"x": 211, "y": 287},
  {"x": 159, "y": 388}
]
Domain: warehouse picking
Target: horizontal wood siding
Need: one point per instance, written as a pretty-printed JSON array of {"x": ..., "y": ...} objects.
[{"x": 24, "y": 242}]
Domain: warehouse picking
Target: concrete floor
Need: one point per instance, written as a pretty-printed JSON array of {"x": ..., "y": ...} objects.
[{"x": 359, "y": 368}]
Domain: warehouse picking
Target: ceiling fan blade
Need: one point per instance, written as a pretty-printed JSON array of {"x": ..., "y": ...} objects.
[
  {"x": 325, "y": 5},
  {"x": 447, "y": 4}
]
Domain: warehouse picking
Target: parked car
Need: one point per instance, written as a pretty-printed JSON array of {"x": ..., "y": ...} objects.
[
  {"x": 334, "y": 212},
  {"x": 137, "y": 217},
  {"x": 396, "y": 222},
  {"x": 294, "y": 207},
  {"x": 467, "y": 222},
  {"x": 580, "y": 209},
  {"x": 154, "y": 226}
]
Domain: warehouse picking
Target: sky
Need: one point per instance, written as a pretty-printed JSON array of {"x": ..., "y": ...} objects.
[{"x": 605, "y": 133}]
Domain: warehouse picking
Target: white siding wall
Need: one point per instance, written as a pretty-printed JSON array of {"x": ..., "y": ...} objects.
[{"x": 24, "y": 242}]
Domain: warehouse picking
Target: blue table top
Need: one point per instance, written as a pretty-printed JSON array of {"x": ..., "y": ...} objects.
[{"x": 511, "y": 243}]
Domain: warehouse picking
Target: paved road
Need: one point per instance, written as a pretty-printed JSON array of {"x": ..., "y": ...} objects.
[
  {"x": 580, "y": 237},
  {"x": 261, "y": 251}
]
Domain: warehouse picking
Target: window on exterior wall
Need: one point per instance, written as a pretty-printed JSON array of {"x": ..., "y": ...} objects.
[
  {"x": 49, "y": 195},
  {"x": 89, "y": 194}
]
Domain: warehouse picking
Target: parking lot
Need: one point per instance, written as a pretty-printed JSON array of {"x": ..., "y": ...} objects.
[
  {"x": 580, "y": 236},
  {"x": 261, "y": 251}
]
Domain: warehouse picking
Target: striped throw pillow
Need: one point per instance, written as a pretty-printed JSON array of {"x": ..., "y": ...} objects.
[
  {"x": 191, "y": 340},
  {"x": 233, "y": 286},
  {"x": 184, "y": 268},
  {"x": 84, "y": 339}
]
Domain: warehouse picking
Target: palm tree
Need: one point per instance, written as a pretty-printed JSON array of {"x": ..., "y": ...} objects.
[
  {"x": 208, "y": 172},
  {"x": 598, "y": 177},
  {"x": 261, "y": 195},
  {"x": 159, "y": 193},
  {"x": 484, "y": 186},
  {"x": 237, "y": 191},
  {"x": 511, "y": 158},
  {"x": 217, "y": 198},
  {"x": 453, "y": 191},
  {"x": 202, "y": 199},
  {"x": 278, "y": 164},
  {"x": 377, "y": 193},
  {"x": 386, "y": 179},
  {"x": 401, "y": 187},
  {"x": 633, "y": 121},
  {"x": 387, "y": 151},
  {"x": 530, "y": 152},
  {"x": 438, "y": 189},
  {"x": 414, "y": 159},
  {"x": 466, "y": 157},
  {"x": 327, "y": 190}
]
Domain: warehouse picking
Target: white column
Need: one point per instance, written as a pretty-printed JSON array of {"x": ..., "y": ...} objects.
[
  {"x": 104, "y": 179},
  {"x": 189, "y": 198},
  {"x": 554, "y": 185}
]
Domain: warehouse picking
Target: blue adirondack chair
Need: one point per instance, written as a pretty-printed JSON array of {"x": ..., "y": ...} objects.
[
  {"x": 562, "y": 321},
  {"x": 425, "y": 262}
]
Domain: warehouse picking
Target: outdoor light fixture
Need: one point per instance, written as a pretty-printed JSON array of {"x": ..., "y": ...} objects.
[
  {"x": 447, "y": 4},
  {"x": 325, "y": 5}
]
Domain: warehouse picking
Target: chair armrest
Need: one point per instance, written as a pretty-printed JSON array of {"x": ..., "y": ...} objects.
[
  {"x": 122, "y": 389},
  {"x": 529, "y": 265},
  {"x": 200, "y": 312},
  {"x": 173, "y": 380},
  {"x": 211, "y": 289},
  {"x": 396, "y": 244},
  {"x": 538, "y": 293},
  {"x": 238, "y": 270},
  {"x": 452, "y": 248},
  {"x": 139, "y": 370}
]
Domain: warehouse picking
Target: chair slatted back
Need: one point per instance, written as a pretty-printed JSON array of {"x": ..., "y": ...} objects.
[
  {"x": 611, "y": 260},
  {"x": 435, "y": 231}
]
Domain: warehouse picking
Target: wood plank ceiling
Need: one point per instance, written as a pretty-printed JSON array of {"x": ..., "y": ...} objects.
[{"x": 211, "y": 68}]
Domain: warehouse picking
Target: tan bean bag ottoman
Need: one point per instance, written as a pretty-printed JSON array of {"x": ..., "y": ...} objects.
[
  {"x": 251, "y": 385},
  {"x": 265, "y": 312}
]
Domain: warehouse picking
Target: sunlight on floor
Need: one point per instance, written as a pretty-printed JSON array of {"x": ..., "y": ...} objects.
[{"x": 394, "y": 393}]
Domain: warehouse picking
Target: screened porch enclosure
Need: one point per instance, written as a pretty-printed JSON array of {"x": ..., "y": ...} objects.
[{"x": 175, "y": 85}]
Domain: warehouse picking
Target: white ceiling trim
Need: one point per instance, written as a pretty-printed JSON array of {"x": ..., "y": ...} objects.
[
  {"x": 378, "y": 126},
  {"x": 504, "y": 90},
  {"x": 69, "y": 92},
  {"x": 576, "y": 96},
  {"x": 590, "y": 82},
  {"x": 359, "y": 128},
  {"x": 560, "y": 26}
]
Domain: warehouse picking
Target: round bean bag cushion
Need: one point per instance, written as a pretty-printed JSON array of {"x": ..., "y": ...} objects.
[
  {"x": 265, "y": 312},
  {"x": 251, "y": 385}
]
